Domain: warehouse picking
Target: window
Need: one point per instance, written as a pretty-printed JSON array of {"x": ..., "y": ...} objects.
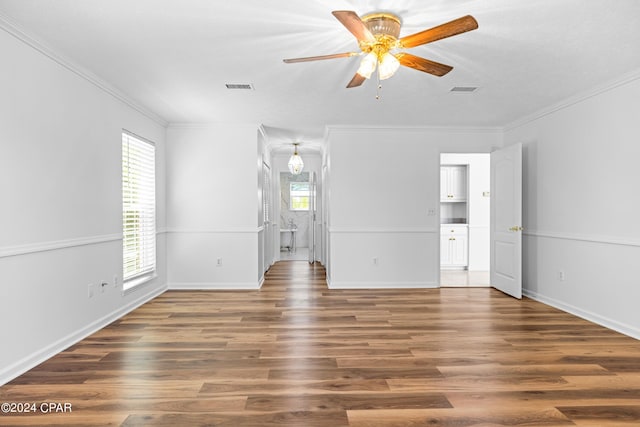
[
  {"x": 299, "y": 196},
  {"x": 138, "y": 210}
]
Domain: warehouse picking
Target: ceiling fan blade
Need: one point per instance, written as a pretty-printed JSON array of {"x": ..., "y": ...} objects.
[
  {"x": 457, "y": 26},
  {"x": 422, "y": 64},
  {"x": 356, "y": 81},
  {"x": 354, "y": 24},
  {"x": 321, "y": 57}
]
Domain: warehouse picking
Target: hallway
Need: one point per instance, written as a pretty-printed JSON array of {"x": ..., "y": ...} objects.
[{"x": 296, "y": 353}]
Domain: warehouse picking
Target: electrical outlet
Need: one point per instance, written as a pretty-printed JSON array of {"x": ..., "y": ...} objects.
[
  {"x": 219, "y": 262},
  {"x": 90, "y": 290},
  {"x": 375, "y": 260},
  {"x": 115, "y": 280},
  {"x": 561, "y": 276}
]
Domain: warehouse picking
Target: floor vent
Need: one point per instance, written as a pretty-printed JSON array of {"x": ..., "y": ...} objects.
[
  {"x": 243, "y": 86},
  {"x": 464, "y": 89}
]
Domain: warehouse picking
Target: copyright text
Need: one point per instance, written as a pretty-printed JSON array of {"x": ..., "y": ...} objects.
[{"x": 36, "y": 408}]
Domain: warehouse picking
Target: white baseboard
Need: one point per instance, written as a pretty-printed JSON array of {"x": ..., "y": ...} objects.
[
  {"x": 216, "y": 286},
  {"x": 382, "y": 285},
  {"x": 13, "y": 371},
  {"x": 587, "y": 315}
]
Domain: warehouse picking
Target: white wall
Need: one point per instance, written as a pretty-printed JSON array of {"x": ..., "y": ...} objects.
[
  {"x": 479, "y": 209},
  {"x": 61, "y": 213},
  {"x": 581, "y": 206},
  {"x": 383, "y": 183},
  {"x": 213, "y": 205}
]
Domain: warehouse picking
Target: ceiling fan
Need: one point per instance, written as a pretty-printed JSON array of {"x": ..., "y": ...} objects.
[{"x": 377, "y": 34}]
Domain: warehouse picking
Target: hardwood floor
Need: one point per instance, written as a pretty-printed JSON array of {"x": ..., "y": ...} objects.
[{"x": 297, "y": 354}]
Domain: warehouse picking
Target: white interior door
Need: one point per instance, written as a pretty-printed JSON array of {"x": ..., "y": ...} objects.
[
  {"x": 312, "y": 217},
  {"x": 267, "y": 209},
  {"x": 506, "y": 220}
]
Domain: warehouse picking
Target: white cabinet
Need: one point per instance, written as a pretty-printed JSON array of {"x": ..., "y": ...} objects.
[
  {"x": 454, "y": 246},
  {"x": 454, "y": 233},
  {"x": 453, "y": 183}
]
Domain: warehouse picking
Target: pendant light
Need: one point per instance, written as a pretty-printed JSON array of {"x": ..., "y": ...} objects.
[{"x": 295, "y": 162}]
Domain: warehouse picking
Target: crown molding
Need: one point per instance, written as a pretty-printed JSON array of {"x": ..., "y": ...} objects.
[
  {"x": 450, "y": 129},
  {"x": 575, "y": 99},
  {"x": 212, "y": 126},
  {"x": 14, "y": 29}
]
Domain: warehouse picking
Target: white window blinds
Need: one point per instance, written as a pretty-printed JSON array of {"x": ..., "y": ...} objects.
[{"x": 138, "y": 209}]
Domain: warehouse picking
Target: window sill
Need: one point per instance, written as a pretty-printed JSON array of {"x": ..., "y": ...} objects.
[{"x": 133, "y": 284}]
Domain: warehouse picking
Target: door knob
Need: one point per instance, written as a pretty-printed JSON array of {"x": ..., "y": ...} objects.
[{"x": 515, "y": 228}]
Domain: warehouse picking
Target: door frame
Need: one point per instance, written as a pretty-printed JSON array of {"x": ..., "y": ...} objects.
[{"x": 491, "y": 194}]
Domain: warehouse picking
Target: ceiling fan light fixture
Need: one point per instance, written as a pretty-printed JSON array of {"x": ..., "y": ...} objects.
[
  {"x": 295, "y": 162},
  {"x": 389, "y": 64},
  {"x": 383, "y": 23},
  {"x": 368, "y": 65},
  {"x": 378, "y": 34}
]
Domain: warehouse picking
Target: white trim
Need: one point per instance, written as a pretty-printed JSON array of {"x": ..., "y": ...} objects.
[
  {"x": 57, "y": 244},
  {"x": 29, "y": 362},
  {"x": 381, "y": 285},
  {"x": 587, "y": 315},
  {"x": 216, "y": 286},
  {"x": 393, "y": 128},
  {"x": 576, "y": 99},
  {"x": 608, "y": 240},
  {"x": 212, "y": 126},
  {"x": 232, "y": 230},
  {"x": 397, "y": 230},
  {"x": 137, "y": 282},
  {"x": 12, "y": 28}
]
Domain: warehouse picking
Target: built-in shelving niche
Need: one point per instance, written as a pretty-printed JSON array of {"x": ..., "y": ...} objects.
[{"x": 453, "y": 213}]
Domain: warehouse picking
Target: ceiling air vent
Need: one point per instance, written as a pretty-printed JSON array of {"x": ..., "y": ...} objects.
[
  {"x": 463, "y": 89},
  {"x": 242, "y": 86}
]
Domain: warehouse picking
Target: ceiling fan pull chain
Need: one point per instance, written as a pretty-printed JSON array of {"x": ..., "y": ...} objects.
[{"x": 379, "y": 85}]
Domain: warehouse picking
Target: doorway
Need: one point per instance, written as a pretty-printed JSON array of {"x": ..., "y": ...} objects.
[
  {"x": 465, "y": 216},
  {"x": 295, "y": 204}
]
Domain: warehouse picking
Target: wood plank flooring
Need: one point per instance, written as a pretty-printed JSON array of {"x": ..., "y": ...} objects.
[{"x": 297, "y": 354}]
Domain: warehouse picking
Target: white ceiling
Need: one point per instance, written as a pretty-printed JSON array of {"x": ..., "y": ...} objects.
[{"x": 174, "y": 57}]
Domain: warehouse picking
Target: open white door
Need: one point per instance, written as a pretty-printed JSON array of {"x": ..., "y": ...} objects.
[
  {"x": 267, "y": 250},
  {"x": 506, "y": 220},
  {"x": 312, "y": 217}
]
